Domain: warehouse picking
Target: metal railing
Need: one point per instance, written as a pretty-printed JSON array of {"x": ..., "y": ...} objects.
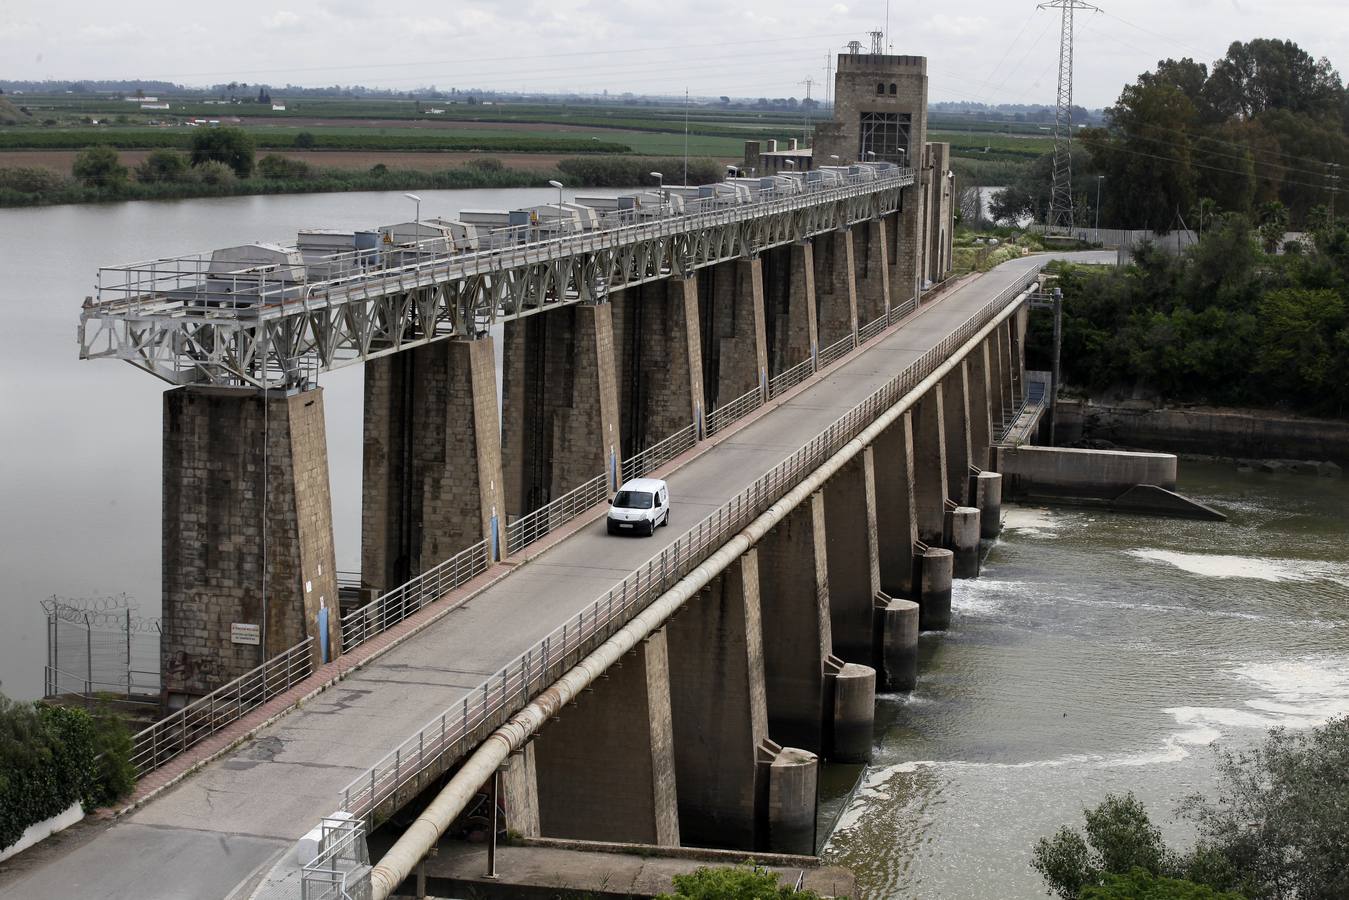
[
  {"x": 411, "y": 766},
  {"x": 527, "y": 529},
  {"x": 659, "y": 453},
  {"x": 873, "y": 328},
  {"x": 340, "y": 870},
  {"x": 139, "y": 685},
  {"x": 387, "y": 610},
  {"x": 131, "y": 286},
  {"x": 200, "y": 719},
  {"x": 790, "y": 378},
  {"x": 737, "y": 409},
  {"x": 837, "y": 350}
]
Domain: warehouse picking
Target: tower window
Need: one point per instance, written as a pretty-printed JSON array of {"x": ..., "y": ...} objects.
[
  {"x": 885, "y": 137},
  {"x": 880, "y": 88},
  {"x": 892, "y": 89}
]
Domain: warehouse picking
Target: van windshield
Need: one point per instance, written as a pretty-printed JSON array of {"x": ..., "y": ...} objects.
[{"x": 634, "y": 500}]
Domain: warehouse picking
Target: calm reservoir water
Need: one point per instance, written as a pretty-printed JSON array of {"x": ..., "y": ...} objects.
[{"x": 1096, "y": 653}]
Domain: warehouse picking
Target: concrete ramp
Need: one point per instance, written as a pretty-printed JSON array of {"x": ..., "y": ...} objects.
[{"x": 1154, "y": 500}]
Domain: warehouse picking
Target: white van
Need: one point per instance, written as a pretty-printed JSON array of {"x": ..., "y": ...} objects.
[{"x": 639, "y": 506}]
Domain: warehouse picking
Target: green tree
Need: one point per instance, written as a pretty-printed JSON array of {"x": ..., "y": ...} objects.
[
  {"x": 1272, "y": 74},
  {"x": 1119, "y": 837},
  {"x": 1273, "y": 225},
  {"x": 1281, "y": 815},
  {"x": 743, "y": 882},
  {"x": 99, "y": 167},
  {"x": 1146, "y": 142},
  {"x": 162, "y": 165},
  {"x": 304, "y": 141},
  {"x": 231, "y": 146}
]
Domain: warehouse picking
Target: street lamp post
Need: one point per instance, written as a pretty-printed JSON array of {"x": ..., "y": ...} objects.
[
  {"x": 558, "y": 185},
  {"x": 416, "y": 221},
  {"x": 660, "y": 185},
  {"x": 1099, "y": 178}
]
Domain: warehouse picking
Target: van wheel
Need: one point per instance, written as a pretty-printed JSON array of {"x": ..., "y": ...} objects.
[
  {"x": 665, "y": 521},
  {"x": 650, "y": 528}
]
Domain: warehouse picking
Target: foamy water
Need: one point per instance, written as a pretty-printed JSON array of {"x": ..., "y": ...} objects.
[{"x": 1216, "y": 565}]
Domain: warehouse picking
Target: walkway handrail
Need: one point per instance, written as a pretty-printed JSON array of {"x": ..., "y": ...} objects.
[
  {"x": 536, "y": 524},
  {"x": 388, "y": 609},
  {"x": 200, "y": 719},
  {"x": 659, "y": 453},
  {"x": 494, "y": 700}
]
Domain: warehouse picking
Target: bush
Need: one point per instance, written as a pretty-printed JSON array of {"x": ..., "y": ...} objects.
[
  {"x": 487, "y": 164},
  {"x": 629, "y": 171},
  {"x": 34, "y": 180},
  {"x": 1140, "y": 884},
  {"x": 304, "y": 141},
  {"x": 231, "y": 146},
  {"x": 744, "y": 882},
  {"x": 275, "y": 166},
  {"x": 162, "y": 165},
  {"x": 214, "y": 173},
  {"x": 99, "y": 167}
]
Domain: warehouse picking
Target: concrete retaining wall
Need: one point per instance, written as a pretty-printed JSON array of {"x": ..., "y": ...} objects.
[
  {"x": 1217, "y": 432},
  {"x": 1051, "y": 471}
]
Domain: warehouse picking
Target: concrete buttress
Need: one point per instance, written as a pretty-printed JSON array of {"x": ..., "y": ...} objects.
[
  {"x": 853, "y": 557},
  {"x": 873, "y": 273},
  {"x": 559, "y": 405},
  {"x": 431, "y": 463},
  {"x": 929, "y": 456},
  {"x": 735, "y": 358},
  {"x": 658, "y": 340},
  {"x": 835, "y": 286},
  {"x": 956, "y": 421},
  {"x": 794, "y": 584},
  {"x": 981, "y": 423},
  {"x": 720, "y": 710},
  {"x": 896, "y": 509},
  {"x": 606, "y": 764}
]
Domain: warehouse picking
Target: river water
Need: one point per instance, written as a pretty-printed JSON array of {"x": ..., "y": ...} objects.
[
  {"x": 1096, "y": 653},
  {"x": 1101, "y": 653}
]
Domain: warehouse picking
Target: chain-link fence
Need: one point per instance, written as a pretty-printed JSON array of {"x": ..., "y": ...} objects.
[{"x": 98, "y": 645}]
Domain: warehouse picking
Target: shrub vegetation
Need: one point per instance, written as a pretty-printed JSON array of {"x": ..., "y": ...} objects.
[{"x": 50, "y": 758}]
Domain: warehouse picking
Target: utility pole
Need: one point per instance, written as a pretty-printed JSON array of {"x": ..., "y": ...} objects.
[
  {"x": 1334, "y": 187},
  {"x": 877, "y": 42},
  {"x": 828, "y": 77},
  {"x": 805, "y": 112},
  {"x": 686, "y": 137},
  {"x": 1061, "y": 199}
]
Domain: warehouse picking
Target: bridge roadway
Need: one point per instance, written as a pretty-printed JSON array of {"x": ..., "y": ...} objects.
[{"x": 224, "y": 826}]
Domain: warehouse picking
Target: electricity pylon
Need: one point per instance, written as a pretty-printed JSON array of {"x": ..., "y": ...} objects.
[{"x": 1061, "y": 197}]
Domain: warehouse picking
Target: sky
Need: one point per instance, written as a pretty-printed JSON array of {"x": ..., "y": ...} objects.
[{"x": 990, "y": 51}]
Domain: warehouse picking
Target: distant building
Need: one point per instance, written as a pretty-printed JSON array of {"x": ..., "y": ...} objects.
[{"x": 278, "y": 107}]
